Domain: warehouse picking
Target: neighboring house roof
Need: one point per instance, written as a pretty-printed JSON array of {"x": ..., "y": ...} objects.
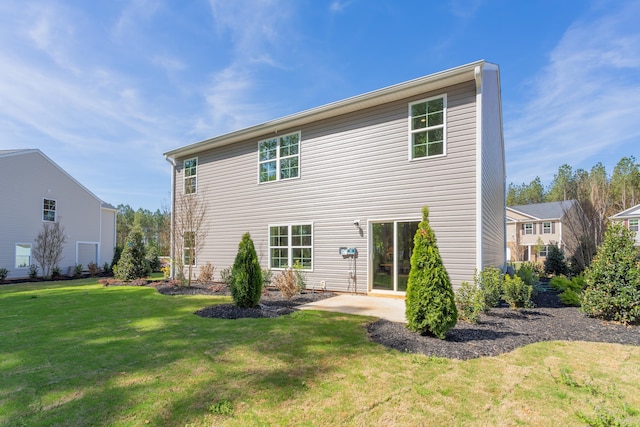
[
  {"x": 20, "y": 152},
  {"x": 633, "y": 212},
  {"x": 541, "y": 211},
  {"x": 392, "y": 93}
]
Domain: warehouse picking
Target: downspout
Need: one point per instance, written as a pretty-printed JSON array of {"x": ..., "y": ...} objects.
[
  {"x": 172, "y": 161},
  {"x": 477, "y": 74}
]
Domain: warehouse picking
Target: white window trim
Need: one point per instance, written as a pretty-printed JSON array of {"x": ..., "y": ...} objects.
[
  {"x": 278, "y": 158},
  {"x": 550, "y": 227},
  {"x": 637, "y": 224},
  {"x": 55, "y": 211},
  {"x": 444, "y": 128},
  {"x": 185, "y": 177},
  {"x": 525, "y": 229},
  {"x": 289, "y": 245},
  {"x": 194, "y": 261},
  {"x": 15, "y": 255}
]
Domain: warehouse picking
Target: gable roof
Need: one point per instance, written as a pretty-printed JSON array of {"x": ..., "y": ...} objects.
[
  {"x": 21, "y": 152},
  {"x": 632, "y": 212},
  {"x": 540, "y": 211},
  {"x": 417, "y": 86}
]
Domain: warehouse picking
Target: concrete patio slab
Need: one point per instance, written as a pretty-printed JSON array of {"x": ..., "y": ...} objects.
[{"x": 385, "y": 308}]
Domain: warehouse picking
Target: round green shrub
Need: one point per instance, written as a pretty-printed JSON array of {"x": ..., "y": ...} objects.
[
  {"x": 430, "y": 301},
  {"x": 613, "y": 278},
  {"x": 246, "y": 275}
]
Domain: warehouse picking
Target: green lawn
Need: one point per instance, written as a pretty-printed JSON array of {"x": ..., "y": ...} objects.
[{"x": 76, "y": 354}]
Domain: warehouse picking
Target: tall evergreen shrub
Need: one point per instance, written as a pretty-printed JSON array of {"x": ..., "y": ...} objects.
[
  {"x": 132, "y": 263},
  {"x": 613, "y": 278},
  {"x": 430, "y": 301},
  {"x": 555, "y": 263},
  {"x": 246, "y": 275}
]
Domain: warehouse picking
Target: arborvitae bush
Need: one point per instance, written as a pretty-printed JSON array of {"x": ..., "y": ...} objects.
[
  {"x": 246, "y": 276},
  {"x": 430, "y": 301},
  {"x": 133, "y": 263},
  {"x": 613, "y": 278},
  {"x": 555, "y": 262}
]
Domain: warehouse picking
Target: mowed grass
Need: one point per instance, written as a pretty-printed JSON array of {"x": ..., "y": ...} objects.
[{"x": 79, "y": 354}]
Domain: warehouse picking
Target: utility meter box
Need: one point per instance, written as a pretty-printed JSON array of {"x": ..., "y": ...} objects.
[{"x": 348, "y": 252}]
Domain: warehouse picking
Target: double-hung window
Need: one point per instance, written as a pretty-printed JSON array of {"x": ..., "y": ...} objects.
[
  {"x": 191, "y": 175},
  {"x": 428, "y": 127},
  {"x": 528, "y": 228},
  {"x": 633, "y": 224},
  {"x": 49, "y": 210},
  {"x": 279, "y": 158},
  {"x": 189, "y": 244},
  {"x": 546, "y": 228},
  {"x": 290, "y": 245}
]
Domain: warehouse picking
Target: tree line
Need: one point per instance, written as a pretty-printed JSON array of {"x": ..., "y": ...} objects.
[
  {"x": 599, "y": 194},
  {"x": 155, "y": 227}
]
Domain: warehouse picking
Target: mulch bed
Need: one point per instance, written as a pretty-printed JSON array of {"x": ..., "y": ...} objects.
[{"x": 499, "y": 331}]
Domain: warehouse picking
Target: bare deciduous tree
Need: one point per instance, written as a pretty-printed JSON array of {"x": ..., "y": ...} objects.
[
  {"x": 189, "y": 232},
  {"x": 48, "y": 247}
]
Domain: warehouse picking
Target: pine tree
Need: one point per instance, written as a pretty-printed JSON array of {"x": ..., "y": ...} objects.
[
  {"x": 132, "y": 263},
  {"x": 430, "y": 302},
  {"x": 246, "y": 276}
]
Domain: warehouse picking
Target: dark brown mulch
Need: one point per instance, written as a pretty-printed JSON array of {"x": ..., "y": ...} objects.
[
  {"x": 502, "y": 330},
  {"x": 499, "y": 331}
]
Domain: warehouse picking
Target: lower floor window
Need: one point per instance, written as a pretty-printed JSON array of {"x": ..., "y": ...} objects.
[
  {"x": 189, "y": 248},
  {"x": 23, "y": 255},
  {"x": 290, "y": 245},
  {"x": 544, "y": 251}
]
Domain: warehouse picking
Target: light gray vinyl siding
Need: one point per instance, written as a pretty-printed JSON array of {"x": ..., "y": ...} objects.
[
  {"x": 493, "y": 173},
  {"x": 353, "y": 166}
]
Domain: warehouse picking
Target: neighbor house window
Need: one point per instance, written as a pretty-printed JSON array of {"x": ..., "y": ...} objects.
[
  {"x": 528, "y": 228},
  {"x": 279, "y": 158},
  {"x": 291, "y": 244},
  {"x": 189, "y": 248},
  {"x": 190, "y": 175},
  {"x": 23, "y": 255},
  {"x": 546, "y": 228},
  {"x": 544, "y": 251},
  {"x": 49, "y": 210},
  {"x": 428, "y": 123},
  {"x": 633, "y": 225}
]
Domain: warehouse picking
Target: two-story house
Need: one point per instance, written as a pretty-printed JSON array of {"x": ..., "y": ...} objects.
[
  {"x": 35, "y": 191},
  {"x": 630, "y": 218},
  {"x": 339, "y": 188},
  {"x": 532, "y": 228}
]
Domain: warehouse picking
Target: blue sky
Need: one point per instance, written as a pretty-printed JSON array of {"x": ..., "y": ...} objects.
[{"x": 105, "y": 87}]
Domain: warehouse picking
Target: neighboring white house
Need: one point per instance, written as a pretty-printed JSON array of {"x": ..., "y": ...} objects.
[
  {"x": 630, "y": 219},
  {"x": 532, "y": 228},
  {"x": 34, "y": 190},
  {"x": 340, "y": 188}
]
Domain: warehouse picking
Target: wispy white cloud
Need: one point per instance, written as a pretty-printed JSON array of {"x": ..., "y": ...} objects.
[
  {"x": 337, "y": 6},
  {"x": 584, "y": 101}
]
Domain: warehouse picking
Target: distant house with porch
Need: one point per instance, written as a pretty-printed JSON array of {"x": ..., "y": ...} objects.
[
  {"x": 531, "y": 229},
  {"x": 36, "y": 191},
  {"x": 630, "y": 219}
]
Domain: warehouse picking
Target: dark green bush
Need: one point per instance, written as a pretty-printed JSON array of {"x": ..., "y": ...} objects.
[
  {"x": 55, "y": 272},
  {"x": 516, "y": 292},
  {"x": 555, "y": 262},
  {"x": 133, "y": 263},
  {"x": 246, "y": 276},
  {"x": 430, "y": 301},
  {"x": 613, "y": 278},
  {"x": 33, "y": 271},
  {"x": 3, "y": 274},
  {"x": 153, "y": 259},
  {"x": 470, "y": 302},
  {"x": 570, "y": 291}
]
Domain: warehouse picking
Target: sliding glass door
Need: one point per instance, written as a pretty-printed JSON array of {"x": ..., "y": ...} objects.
[{"x": 391, "y": 249}]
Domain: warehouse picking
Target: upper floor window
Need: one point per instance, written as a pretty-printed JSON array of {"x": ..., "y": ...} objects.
[
  {"x": 49, "y": 210},
  {"x": 546, "y": 228},
  {"x": 291, "y": 244},
  {"x": 279, "y": 158},
  {"x": 633, "y": 224},
  {"x": 190, "y": 175},
  {"x": 428, "y": 123},
  {"x": 528, "y": 228}
]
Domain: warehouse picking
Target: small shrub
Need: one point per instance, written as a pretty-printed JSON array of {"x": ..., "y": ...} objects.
[
  {"x": 516, "y": 292},
  {"x": 225, "y": 275},
  {"x": 287, "y": 283},
  {"x": 3, "y": 274},
  {"x": 94, "y": 270},
  {"x": 555, "y": 262},
  {"x": 489, "y": 281},
  {"x": 569, "y": 290},
  {"x": 528, "y": 272},
  {"x": 153, "y": 259},
  {"x": 106, "y": 269},
  {"x": 570, "y": 298},
  {"x": 267, "y": 275},
  {"x": 246, "y": 276},
  {"x": 33, "y": 271},
  {"x": 55, "y": 272},
  {"x": 166, "y": 271},
  {"x": 206, "y": 273},
  {"x": 470, "y": 301},
  {"x": 77, "y": 270},
  {"x": 301, "y": 276}
]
